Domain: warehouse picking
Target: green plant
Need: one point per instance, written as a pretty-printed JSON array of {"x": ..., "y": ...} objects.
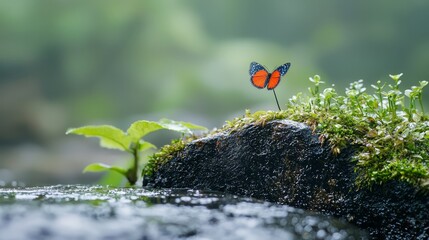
[
  {"x": 130, "y": 141},
  {"x": 391, "y": 138}
]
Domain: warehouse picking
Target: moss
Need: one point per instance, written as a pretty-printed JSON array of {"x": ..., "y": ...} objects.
[
  {"x": 165, "y": 154},
  {"x": 388, "y": 129}
]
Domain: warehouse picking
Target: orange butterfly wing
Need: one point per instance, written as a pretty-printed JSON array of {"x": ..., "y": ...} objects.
[
  {"x": 259, "y": 78},
  {"x": 274, "y": 80},
  {"x": 276, "y": 75}
]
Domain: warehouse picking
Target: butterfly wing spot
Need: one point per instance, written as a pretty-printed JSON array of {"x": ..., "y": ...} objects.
[
  {"x": 255, "y": 67},
  {"x": 283, "y": 68}
]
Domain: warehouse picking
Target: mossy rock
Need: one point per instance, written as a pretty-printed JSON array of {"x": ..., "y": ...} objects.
[{"x": 284, "y": 161}]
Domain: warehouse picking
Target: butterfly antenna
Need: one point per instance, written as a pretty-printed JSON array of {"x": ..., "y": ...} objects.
[{"x": 277, "y": 101}]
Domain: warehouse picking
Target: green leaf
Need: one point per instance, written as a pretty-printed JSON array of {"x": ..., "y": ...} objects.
[
  {"x": 145, "y": 146},
  {"x": 100, "y": 167},
  {"x": 139, "y": 129},
  {"x": 178, "y": 126},
  {"x": 110, "y": 137},
  {"x": 193, "y": 126}
]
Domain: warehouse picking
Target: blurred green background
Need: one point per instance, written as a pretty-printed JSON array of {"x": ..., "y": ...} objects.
[{"x": 72, "y": 63}]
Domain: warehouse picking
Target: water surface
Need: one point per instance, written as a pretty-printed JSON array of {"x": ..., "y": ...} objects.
[{"x": 99, "y": 212}]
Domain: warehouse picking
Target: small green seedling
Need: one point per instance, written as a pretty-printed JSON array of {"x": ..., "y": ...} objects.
[{"x": 130, "y": 141}]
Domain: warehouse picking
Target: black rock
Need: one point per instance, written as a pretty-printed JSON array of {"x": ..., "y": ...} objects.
[{"x": 284, "y": 162}]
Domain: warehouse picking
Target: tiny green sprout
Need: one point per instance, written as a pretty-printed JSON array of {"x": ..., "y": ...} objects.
[
  {"x": 415, "y": 93},
  {"x": 395, "y": 77},
  {"x": 315, "y": 100},
  {"x": 294, "y": 99},
  {"x": 327, "y": 96},
  {"x": 316, "y": 80},
  {"x": 130, "y": 141}
]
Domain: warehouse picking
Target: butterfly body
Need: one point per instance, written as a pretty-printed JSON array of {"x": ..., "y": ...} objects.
[{"x": 261, "y": 78}]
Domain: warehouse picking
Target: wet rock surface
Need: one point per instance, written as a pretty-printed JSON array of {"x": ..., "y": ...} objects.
[
  {"x": 284, "y": 162},
  {"x": 97, "y": 212}
]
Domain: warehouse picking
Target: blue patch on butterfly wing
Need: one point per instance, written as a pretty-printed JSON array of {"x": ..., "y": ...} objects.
[
  {"x": 254, "y": 67},
  {"x": 283, "y": 68}
]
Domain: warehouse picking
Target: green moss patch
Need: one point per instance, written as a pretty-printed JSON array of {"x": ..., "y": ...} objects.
[{"x": 165, "y": 154}]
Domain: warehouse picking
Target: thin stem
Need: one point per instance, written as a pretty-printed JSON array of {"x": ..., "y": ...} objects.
[
  {"x": 133, "y": 171},
  {"x": 421, "y": 103},
  {"x": 277, "y": 101}
]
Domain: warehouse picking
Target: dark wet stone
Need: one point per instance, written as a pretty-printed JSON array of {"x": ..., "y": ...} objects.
[{"x": 284, "y": 162}]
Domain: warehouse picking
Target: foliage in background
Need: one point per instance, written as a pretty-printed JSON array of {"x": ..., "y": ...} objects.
[
  {"x": 68, "y": 59},
  {"x": 130, "y": 141},
  {"x": 69, "y": 63}
]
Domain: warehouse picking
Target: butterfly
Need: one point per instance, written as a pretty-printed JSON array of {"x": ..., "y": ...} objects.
[{"x": 261, "y": 78}]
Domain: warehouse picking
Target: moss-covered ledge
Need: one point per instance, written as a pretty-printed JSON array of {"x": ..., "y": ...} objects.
[
  {"x": 284, "y": 161},
  {"x": 363, "y": 157},
  {"x": 387, "y": 129}
]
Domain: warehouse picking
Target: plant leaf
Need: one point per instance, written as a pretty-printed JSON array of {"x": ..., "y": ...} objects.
[
  {"x": 139, "y": 129},
  {"x": 145, "y": 146},
  {"x": 110, "y": 137},
  {"x": 193, "y": 126},
  {"x": 100, "y": 167},
  {"x": 179, "y": 126}
]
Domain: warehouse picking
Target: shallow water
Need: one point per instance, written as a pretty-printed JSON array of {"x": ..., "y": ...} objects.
[{"x": 98, "y": 212}]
